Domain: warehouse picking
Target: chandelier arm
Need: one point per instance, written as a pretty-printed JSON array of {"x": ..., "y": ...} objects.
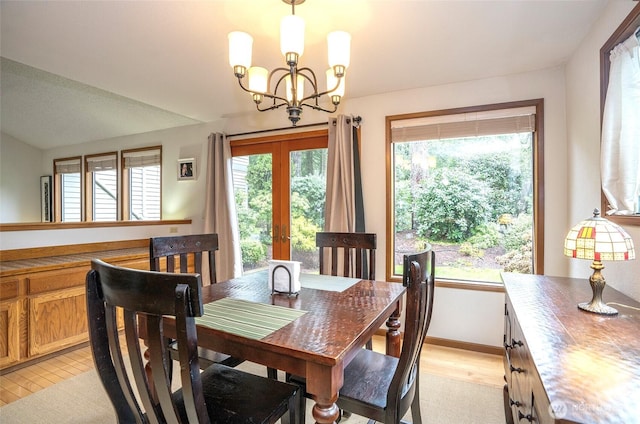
[
  {"x": 314, "y": 83},
  {"x": 316, "y": 107},
  {"x": 274, "y": 106}
]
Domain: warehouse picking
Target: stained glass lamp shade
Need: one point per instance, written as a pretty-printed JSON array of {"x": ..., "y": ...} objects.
[{"x": 598, "y": 239}]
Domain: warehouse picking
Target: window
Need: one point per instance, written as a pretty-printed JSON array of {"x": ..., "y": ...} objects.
[
  {"x": 68, "y": 193},
  {"x": 102, "y": 187},
  {"x": 469, "y": 182},
  {"x": 620, "y": 108},
  {"x": 141, "y": 184}
]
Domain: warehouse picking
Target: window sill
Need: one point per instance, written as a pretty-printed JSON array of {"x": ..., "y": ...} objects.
[{"x": 26, "y": 226}]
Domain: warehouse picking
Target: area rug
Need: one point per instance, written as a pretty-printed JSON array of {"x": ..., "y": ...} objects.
[{"x": 81, "y": 399}]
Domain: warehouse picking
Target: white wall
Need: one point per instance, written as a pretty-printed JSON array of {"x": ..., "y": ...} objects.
[
  {"x": 20, "y": 174},
  {"x": 583, "y": 137}
]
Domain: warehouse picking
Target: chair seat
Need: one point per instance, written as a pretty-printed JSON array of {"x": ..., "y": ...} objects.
[
  {"x": 207, "y": 357},
  {"x": 235, "y": 397},
  {"x": 371, "y": 390}
]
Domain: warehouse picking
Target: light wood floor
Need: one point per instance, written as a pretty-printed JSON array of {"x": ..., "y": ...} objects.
[{"x": 475, "y": 367}]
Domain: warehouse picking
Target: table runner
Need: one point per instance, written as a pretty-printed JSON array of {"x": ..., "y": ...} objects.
[
  {"x": 327, "y": 282},
  {"x": 248, "y": 319}
]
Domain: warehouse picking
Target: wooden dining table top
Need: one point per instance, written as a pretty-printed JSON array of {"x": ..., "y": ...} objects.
[{"x": 319, "y": 343}]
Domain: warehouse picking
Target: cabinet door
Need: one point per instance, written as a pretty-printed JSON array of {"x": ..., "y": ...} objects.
[
  {"x": 9, "y": 333},
  {"x": 57, "y": 320}
]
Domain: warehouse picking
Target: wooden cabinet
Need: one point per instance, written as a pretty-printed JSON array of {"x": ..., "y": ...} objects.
[
  {"x": 565, "y": 365},
  {"x": 42, "y": 301}
]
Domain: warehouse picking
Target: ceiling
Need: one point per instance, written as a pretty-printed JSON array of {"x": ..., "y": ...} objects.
[{"x": 77, "y": 71}]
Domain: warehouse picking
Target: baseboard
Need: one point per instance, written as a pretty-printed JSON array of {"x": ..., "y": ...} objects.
[{"x": 456, "y": 344}]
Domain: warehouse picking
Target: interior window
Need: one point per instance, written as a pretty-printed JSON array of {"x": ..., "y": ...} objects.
[
  {"x": 102, "y": 187},
  {"x": 464, "y": 180},
  {"x": 141, "y": 184},
  {"x": 68, "y": 192}
]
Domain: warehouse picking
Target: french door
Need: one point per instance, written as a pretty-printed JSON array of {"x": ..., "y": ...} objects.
[{"x": 279, "y": 187}]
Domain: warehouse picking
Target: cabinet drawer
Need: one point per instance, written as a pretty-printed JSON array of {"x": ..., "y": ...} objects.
[
  {"x": 43, "y": 282},
  {"x": 9, "y": 288}
]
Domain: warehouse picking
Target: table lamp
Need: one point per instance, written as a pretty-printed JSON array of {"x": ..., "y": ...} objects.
[{"x": 600, "y": 240}]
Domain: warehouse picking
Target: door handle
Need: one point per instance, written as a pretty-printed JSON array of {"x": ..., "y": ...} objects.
[
  {"x": 276, "y": 233},
  {"x": 284, "y": 234}
]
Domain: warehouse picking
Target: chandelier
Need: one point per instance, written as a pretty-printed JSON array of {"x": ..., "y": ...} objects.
[{"x": 285, "y": 86}]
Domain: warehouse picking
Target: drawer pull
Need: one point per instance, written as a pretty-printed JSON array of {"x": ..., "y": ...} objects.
[
  {"x": 511, "y": 367},
  {"x": 527, "y": 417},
  {"x": 515, "y": 343},
  {"x": 514, "y": 402}
]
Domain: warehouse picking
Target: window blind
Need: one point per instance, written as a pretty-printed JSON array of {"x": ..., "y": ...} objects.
[
  {"x": 472, "y": 124},
  {"x": 101, "y": 163},
  {"x": 141, "y": 158},
  {"x": 69, "y": 166}
]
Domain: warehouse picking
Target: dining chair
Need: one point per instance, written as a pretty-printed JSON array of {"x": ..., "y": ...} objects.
[
  {"x": 382, "y": 387},
  {"x": 353, "y": 253},
  {"x": 219, "y": 394},
  {"x": 189, "y": 249}
]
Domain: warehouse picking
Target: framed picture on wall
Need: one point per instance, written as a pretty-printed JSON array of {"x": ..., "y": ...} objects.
[
  {"x": 46, "y": 212},
  {"x": 186, "y": 169}
]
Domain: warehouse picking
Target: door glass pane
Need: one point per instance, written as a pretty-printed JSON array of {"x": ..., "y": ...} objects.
[
  {"x": 308, "y": 170},
  {"x": 471, "y": 199},
  {"x": 252, "y": 185}
]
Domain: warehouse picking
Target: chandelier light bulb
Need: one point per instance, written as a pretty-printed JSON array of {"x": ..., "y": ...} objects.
[
  {"x": 299, "y": 88},
  {"x": 292, "y": 35},
  {"x": 339, "y": 47},
  {"x": 240, "y": 46},
  {"x": 332, "y": 82},
  {"x": 258, "y": 79}
]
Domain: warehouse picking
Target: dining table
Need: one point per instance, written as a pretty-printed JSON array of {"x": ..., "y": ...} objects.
[{"x": 313, "y": 333}]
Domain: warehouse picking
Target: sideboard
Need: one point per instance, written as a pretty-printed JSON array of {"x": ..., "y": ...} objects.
[
  {"x": 42, "y": 296},
  {"x": 565, "y": 365}
]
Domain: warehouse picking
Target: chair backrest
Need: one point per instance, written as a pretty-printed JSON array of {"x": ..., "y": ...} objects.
[
  {"x": 419, "y": 278},
  {"x": 353, "y": 253},
  {"x": 152, "y": 295},
  {"x": 184, "y": 247}
]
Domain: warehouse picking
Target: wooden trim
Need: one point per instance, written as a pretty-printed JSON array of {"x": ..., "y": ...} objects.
[
  {"x": 456, "y": 344},
  {"x": 72, "y": 249},
  {"x": 280, "y": 137},
  {"x": 475, "y": 286},
  {"x": 624, "y": 31},
  {"x": 28, "y": 226},
  {"x": 538, "y": 176}
]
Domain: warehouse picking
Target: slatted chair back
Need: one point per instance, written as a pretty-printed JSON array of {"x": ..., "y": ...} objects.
[
  {"x": 155, "y": 295},
  {"x": 384, "y": 388},
  {"x": 182, "y": 248},
  {"x": 350, "y": 254},
  {"x": 419, "y": 278}
]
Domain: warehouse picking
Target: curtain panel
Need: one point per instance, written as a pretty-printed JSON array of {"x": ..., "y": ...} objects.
[
  {"x": 220, "y": 208},
  {"x": 620, "y": 147}
]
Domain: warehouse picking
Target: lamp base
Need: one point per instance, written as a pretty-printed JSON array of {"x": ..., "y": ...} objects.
[
  {"x": 597, "y": 308},
  {"x": 597, "y": 282}
]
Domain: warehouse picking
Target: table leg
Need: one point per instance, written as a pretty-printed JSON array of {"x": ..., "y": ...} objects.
[
  {"x": 393, "y": 334},
  {"x": 325, "y": 412}
]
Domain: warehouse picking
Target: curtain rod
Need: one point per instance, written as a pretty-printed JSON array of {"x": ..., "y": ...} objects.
[{"x": 356, "y": 119}]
